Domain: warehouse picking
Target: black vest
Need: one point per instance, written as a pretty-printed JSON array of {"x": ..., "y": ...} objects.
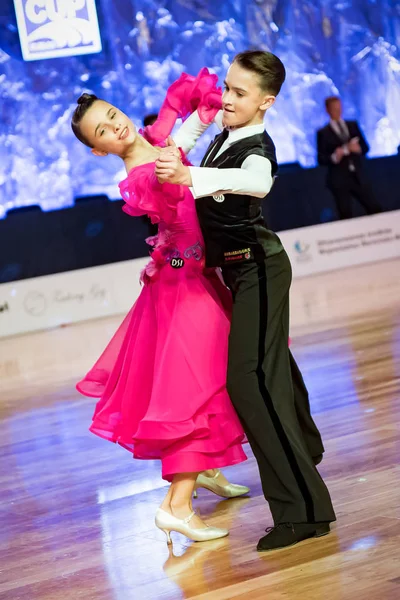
[{"x": 233, "y": 226}]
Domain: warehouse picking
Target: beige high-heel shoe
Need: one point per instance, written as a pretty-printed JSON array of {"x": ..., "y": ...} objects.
[
  {"x": 167, "y": 523},
  {"x": 231, "y": 490}
]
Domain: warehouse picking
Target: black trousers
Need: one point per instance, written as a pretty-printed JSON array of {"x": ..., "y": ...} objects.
[
  {"x": 269, "y": 394},
  {"x": 352, "y": 185}
]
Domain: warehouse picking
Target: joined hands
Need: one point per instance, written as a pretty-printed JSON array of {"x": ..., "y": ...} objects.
[{"x": 169, "y": 166}]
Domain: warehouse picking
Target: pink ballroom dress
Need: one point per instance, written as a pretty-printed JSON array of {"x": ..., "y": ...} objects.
[{"x": 161, "y": 381}]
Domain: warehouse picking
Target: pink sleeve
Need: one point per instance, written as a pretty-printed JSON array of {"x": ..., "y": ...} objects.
[
  {"x": 184, "y": 96},
  {"x": 145, "y": 196}
]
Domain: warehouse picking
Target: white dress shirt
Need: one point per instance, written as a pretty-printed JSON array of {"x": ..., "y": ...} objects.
[
  {"x": 336, "y": 128},
  {"x": 254, "y": 178},
  {"x": 337, "y": 125}
]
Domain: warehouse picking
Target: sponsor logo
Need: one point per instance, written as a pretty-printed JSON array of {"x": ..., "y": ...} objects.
[
  {"x": 177, "y": 263},
  {"x": 302, "y": 250},
  {"x": 96, "y": 292},
  {"x": 35, "y": 304},
  {"x": 219, "y": 198},
  {"x": 301, "y": 247},
  {"x": 4, "y": 307},
  {"x": 237, "y": 255},
  {"x": 54, "y": 28}
]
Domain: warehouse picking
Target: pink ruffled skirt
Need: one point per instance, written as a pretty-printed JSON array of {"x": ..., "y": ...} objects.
[{"x": 161, "y": 380}]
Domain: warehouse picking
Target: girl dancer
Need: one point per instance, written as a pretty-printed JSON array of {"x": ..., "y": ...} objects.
[{"x": 162, "y": 378}]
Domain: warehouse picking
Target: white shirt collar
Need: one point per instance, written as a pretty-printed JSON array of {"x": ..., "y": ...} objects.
[
  {"x": 334, "y": 124},
  {"x": 243, "y": 132}
]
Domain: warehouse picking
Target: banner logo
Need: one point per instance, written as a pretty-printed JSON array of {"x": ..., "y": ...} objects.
[{"x": 55, "y": 28}]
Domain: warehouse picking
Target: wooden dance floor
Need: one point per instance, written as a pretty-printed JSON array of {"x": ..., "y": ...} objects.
[{"x": 77, "y": 512}]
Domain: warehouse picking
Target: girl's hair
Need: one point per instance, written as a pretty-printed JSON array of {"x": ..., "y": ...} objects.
[
  {"x": 84, "y": 103},
  {"x": 266, "y": 65}
]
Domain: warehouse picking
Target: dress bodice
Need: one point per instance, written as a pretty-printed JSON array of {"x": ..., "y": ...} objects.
[{"x": 179, "y": 241}]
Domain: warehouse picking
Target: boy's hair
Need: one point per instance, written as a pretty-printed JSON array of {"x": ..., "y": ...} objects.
[
  {"x": 84, "y": 103},
  {"x": 267, "y": 66}
]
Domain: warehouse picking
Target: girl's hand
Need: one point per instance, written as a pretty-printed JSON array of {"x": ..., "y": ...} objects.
[{"x": 169, "y": 167}]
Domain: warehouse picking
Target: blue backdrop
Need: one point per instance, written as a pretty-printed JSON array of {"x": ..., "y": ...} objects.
[{"x": 346, "y": 47}]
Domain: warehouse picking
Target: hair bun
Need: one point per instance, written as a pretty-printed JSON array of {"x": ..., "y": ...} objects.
[{"x": 85, "y": 98}]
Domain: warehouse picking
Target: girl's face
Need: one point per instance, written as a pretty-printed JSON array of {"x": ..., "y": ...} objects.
[
  {"x": 243, "y": 101},
  {"x": 107, "y": 129}
]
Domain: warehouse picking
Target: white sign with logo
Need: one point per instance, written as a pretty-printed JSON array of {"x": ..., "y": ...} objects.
[
  {"x": 343, "y": 244},
  {"x": 54, "y": 28},
  {"x": 54, "y": 300}
]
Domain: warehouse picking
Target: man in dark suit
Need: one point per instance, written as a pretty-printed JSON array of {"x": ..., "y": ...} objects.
[{"x": 341, "y": 147}]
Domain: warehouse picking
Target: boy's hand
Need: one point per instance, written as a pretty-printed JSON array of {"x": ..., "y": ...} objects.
[{"x": 169, "y": 167}]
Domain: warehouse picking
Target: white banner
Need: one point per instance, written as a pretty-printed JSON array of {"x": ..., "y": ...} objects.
[
  {"x": 54, "y": 28},
  {"x": 54, "y": 300},
  {"x": 342, "y": 244}
]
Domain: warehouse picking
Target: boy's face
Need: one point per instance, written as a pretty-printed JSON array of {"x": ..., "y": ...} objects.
[
  {"x": 243, "y": 101},
  {"x": 107, "y": 129}
]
